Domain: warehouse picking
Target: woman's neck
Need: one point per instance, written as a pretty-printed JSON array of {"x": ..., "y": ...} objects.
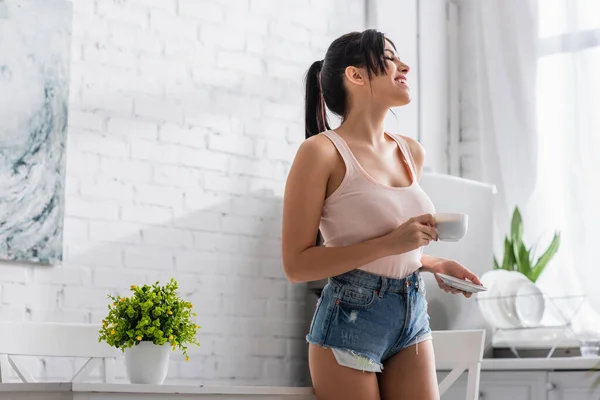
[{"x": 364, "y": 124}]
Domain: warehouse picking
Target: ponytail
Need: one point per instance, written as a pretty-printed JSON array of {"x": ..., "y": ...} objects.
[
  {"x": 325, "y": 79},
  {"x": 315, "y": 118}
]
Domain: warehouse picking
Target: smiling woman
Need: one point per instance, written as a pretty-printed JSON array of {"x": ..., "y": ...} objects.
[{"x": 359, "y": 186}]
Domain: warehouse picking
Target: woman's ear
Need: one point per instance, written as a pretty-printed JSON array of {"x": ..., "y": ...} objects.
[{"x": 355, "y": 75}]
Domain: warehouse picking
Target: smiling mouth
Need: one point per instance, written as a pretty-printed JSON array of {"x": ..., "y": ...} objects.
[{"x": 401, "y": 79}]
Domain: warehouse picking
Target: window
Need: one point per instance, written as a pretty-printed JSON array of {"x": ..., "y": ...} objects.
[{"x": 568, "y": 118}]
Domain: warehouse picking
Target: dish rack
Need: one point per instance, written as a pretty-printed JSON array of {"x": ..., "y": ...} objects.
[{"x": 563, "y": 310}]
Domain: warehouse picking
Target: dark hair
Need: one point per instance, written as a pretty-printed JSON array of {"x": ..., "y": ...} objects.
[{"x": 325, "y": 79}]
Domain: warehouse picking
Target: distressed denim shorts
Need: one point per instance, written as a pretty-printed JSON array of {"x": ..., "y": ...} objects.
[{"x": 366, "y": 319}]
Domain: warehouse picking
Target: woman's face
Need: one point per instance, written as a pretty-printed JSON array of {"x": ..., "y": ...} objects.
[{"x": 391, "y": 89}]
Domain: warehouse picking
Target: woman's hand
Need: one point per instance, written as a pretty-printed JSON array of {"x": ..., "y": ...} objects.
[
  {"x": 414, "y": 233},
  {"x": 455, "y": 269}
]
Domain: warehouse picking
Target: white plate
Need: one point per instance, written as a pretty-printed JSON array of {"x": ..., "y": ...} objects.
[
  {"x": 461, "y": 284},
  {"x": 530, "y": 305},
  {"x": 487, "y": 302},
  {"x": 490, "y": 302},
  {"x": 508, "y": 287}
]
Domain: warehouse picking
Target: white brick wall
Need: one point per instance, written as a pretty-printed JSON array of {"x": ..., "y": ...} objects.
[
  {"x": 469, "y": 152},
  {"x": 184, "y": 117}
]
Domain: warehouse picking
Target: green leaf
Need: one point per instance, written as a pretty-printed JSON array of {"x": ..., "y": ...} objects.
[
  {"x": 516, "y": 227},
  {"x": 509, "y": 256},
  {"x": 496, "y": 266},
  {"x": 144, "y": 314},
  {"x": 545, "y": 258},
  {"x": 522, "y": 259}
]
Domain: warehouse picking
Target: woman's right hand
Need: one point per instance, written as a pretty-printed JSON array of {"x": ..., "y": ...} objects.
[{"x": 414, "y": 233}]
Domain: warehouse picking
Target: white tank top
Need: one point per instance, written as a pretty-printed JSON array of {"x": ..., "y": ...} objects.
[{"x": 362, "y": 208}]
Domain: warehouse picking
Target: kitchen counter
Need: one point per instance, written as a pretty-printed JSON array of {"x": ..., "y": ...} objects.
[
  {"x": 103, "y": 391},
  {"x": 545, "y": 364},
  {"x": 535, "y": 364},
  {"x": 558, "y": 378}
]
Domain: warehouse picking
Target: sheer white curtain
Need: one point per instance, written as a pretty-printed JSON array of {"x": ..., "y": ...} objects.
[
  {"x": 539, "y": 85},
  {"x": 568, "y": 120},
  {"x": 506, "y": 34}
]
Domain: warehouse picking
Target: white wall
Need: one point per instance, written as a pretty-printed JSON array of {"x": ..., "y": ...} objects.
[
  {"x": 434, "y": 70},
  {"x": 469, "y": 152},
  {"x": 418, "y": 28},
  {"x": 398, "y": 20},
  {"x": 184, "y": 116}
]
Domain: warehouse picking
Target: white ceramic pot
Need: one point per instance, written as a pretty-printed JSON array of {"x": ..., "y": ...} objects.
[{"x": 147, "y": 363}]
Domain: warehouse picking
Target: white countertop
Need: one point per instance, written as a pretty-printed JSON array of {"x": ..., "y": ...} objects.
[
  {"x": 101, "y": 391},
  {"x": 548, "y": 364},
  {"x": 539, "y": 364},
  {"x": 152, "y": 389},
  {"x": 87, "y": 391}
]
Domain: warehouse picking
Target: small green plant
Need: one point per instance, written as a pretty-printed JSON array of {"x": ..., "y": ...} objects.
[
  {"x": 152, "y": 314},
  {"x": 517, "y": 257}
]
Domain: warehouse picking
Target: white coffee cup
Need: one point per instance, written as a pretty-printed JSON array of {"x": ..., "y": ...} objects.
[{"x": 451, "y": 227}]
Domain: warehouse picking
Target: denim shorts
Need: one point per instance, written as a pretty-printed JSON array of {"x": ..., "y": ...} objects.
[{"x": 366, "y": 318}]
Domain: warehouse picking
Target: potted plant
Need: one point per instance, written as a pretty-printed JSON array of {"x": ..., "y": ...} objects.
[
  {"x": 145, "y": 325},
  {"x": 517, "y": 257},
  {"x": 513, "y": 299}
]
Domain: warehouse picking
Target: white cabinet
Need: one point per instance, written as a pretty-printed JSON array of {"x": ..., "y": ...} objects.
[
  {"x": 573, "y": 385},
  {"x": 494, "y": 385}
]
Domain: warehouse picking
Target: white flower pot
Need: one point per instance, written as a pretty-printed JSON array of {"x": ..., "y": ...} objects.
[{"x": 147, "y": 363}]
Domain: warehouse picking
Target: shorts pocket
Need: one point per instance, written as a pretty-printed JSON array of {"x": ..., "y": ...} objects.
[
  {"x": 312, "y": 322},
  {"x": 355, "y": 296},
  {"x": 422, "y": 288}
]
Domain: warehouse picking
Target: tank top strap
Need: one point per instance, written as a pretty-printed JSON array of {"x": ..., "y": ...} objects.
[
  {"x": 342, "y": 148},
  {"x": 408, "y": 159}
]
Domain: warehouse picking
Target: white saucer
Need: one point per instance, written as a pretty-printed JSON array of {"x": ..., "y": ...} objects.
[{"x": 461, "y": 284}]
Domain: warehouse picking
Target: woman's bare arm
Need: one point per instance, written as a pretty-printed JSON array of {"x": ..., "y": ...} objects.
[{"x": 303, "y": 203}]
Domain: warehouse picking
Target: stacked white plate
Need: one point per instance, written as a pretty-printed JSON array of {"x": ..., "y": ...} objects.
[{"x": 512, "y": 300}]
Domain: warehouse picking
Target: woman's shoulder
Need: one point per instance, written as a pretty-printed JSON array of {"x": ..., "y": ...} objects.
[
  {"x": 319, "y": 145},
  {"x": 318, "y": 149},
  {"x": 417, "y": 151}
]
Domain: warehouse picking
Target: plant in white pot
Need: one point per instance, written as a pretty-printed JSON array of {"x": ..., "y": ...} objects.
[
  {"x": 517, "y": 257},
  {"x": 145, "y": 326},
  {"x": 513, "y": 299}
]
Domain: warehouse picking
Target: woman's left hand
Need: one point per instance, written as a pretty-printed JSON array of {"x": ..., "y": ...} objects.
[{"x": 455, "y": 269}]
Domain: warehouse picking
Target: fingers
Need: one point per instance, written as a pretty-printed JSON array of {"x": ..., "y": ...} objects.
[
  {"x": 430, "y": 231},
  {"x": 425, "y": 238},
  {"x": 426, "y": 219},
  {"x": 449, "y": 289},
  {"x": 472, "y": 277}
]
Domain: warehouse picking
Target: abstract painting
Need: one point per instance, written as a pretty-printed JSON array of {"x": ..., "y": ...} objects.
[{"x": 35, "y": 42}]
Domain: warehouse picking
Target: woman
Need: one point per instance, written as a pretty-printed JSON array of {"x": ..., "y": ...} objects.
[{"x": 359, "y": 186}]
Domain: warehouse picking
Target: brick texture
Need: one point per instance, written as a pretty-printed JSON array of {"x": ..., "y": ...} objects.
[{"x": 184, "y": 118}]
